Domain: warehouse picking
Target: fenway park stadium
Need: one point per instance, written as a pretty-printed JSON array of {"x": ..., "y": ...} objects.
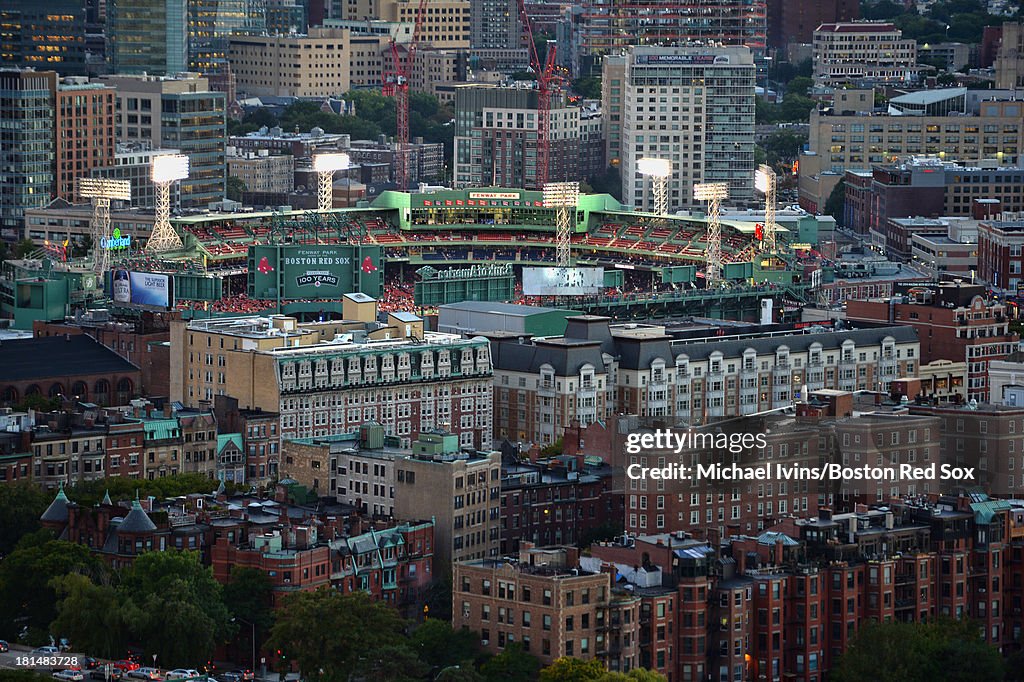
[{"x": 414, "y": 252}]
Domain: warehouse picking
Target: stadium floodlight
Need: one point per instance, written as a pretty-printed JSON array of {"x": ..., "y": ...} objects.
[
  {"x": 713, "y": 193},
  {"x": 710, "y": 191},
  {"x": 325, "y": 165},
  {"x": 169, "y": 167},
  {"x": 328, "y": 163},
  {"x": 765, "y": 181},
  {"x": 563, "y": 197},
  {"x": 166, "y": 169},
  {"x": 100, "y": 191},
  {"x": 658, "y": 170},
  {"x": 655, "y": 168}
]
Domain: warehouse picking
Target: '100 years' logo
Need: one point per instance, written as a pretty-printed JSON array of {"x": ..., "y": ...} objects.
[{"x": 317, "y": 279}]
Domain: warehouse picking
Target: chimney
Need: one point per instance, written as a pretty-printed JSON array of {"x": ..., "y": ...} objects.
[
  {"x": 777, "y": 557},
  {"x": 741, "y": 559},
  {"x": 167, "y": 410}
]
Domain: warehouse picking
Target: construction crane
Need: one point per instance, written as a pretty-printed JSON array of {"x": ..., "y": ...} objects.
[
  {"x": 396, "y": 84},
  {"x": 547, "y": 84}
]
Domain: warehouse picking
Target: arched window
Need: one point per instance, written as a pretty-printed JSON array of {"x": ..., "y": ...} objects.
[
  {"x": 101, "y": 392},
  {"x": 10, "y": 395},
  {"x": 80, "y": 390},
  {"x": 33, "y": 390},
  {"x": 125, "y": 389},
  {"x": 56, "y": 390}
]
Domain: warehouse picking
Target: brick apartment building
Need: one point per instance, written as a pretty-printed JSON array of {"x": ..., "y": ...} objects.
[
  {"x": 597, "y": 370},
  {"x": 780, "y": 604},
  {"x": 557, "y": 501},
  {"x": 999, "y": 253},
  {"x": 954, "y": 321},
  {"x": 407, "y": 385},
  {"x": 546, "y": 603}
]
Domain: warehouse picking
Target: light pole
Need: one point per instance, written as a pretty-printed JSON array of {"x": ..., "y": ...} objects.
[
  {"x": 713, "y": 193},
  {"x": 100, "y": 191},
  {"x": 252, "y": 640},
  {"x": 166, "y": 169},
  {"x": 766, "y": 182},
  {"x": 325, "y": 165},
  {"x": 563, "y": 197},
  {"x": 658, "y": 170}
]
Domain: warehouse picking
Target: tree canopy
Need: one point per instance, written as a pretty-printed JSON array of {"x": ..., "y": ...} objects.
[
  {"x": 949, "y": 650},
  {"x": 27, "y": 597},
  {"x": 351, "y": 632},
  {"x": 21, "y": 505}
]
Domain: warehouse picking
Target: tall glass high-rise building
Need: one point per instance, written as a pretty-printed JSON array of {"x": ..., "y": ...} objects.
[
  {"x": 693, "y": 106},
  {"x": 26, "y": 145},
  {"x": 46, "y": 34},
  {"x": 211, "y": 23},
  {"x": 147, "y": 36}
]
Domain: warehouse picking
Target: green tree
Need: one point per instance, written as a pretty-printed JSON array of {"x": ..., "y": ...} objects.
[
  {"x": 261, "y": 117},
  {"x": 24, "y": 248},
  {"x": 572, "y": 670},
  {"x": 249, "y": 595},
  {"x": 27, "y": 595},
  {"x": 391, "y": 663},
  {"x": 783, "y": 146},
  {"x": 835, "y": 206},
  {"x": 949, "y": 650},
  {"x": 588, "y": 87},
  {"x": 88, "y": 493},
  {"x": 554, "y": 449},
  {"x": 440, "y": 646},
  {"x": 37, "y": 402},
  {"x": 511, "y": 665},
  {"x": 634, "y": 675},
  {"x": 21, "y": 505},
  {"x": 235, "y": 188},
  {"x": 439, "y": 598},
  {"x": 800, "y": 85},
  {"x": 91, "y": 616},
  {"x": 174, "y": 607},
  {"x": 349, "y": 629},
  {"x": 7, "y": 675},
  {"x": 606, "y": 531},
  {"x": 459, "y": 673},
  {"x": 609, "y": 182}
]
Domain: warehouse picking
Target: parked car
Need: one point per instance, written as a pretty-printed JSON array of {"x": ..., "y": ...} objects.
[
  {"x": 237, "y": 676},
  {"x": 69, "y": 675},
  {"x": 88, "y": 662},
  {"x": 4, "y": 647},
  {"x": 182, "y": 674},
  {"x": 46, "y": 651},
  {"x": 125, "y": 665},
  {"x": 100, "y": 673},
  {"x": 145, "y": 673}
]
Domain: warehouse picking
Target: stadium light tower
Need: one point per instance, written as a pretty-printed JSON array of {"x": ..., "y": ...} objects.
[
  {"x": 658, "y": 170},
  {"x": 765, "y": 182},
  {"x": 563, "y": 197},
  {"x": 713, "y": 193},
  {"x": 166, "y": 169},
  {"x": 100, "y": 191},
  {"x": 325, "y": 165}
]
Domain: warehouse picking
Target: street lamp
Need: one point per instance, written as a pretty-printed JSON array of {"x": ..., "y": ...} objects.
[
  {"x": 713, "y": 193},
  {"x": 325, "y": 165},
  {"x": 658, "y": 170},
  {"x": 766, "y": 182},
  {"x": 166, "y": 169},
  {"x": 252, "y": 639},
  {"x": 100, "y": 191}
]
